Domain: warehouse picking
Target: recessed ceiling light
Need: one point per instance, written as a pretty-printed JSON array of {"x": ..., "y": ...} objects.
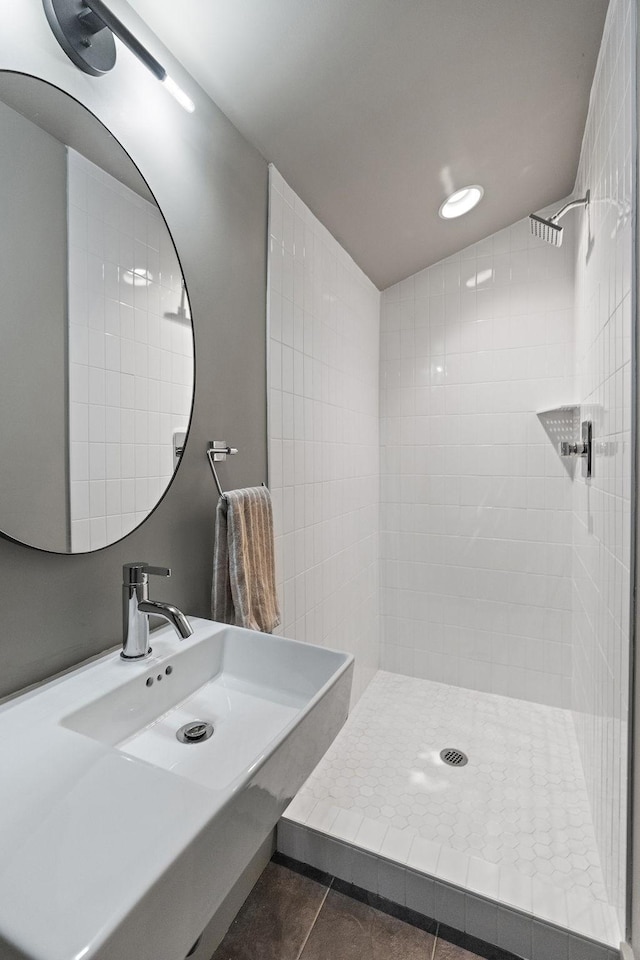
[{"x": 461, "y": 202}]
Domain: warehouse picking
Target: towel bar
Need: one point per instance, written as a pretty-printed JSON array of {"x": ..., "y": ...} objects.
[{"x": 217, "y": 451}]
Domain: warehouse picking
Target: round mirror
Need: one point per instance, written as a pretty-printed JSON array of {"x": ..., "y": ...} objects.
[{"x": 96, "y": 359}]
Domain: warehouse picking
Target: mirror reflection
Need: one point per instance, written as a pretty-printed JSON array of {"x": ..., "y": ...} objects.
[{"x": 96, "y": 367}]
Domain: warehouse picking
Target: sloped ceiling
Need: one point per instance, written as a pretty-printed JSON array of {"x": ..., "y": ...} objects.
[{"x": 375, "y": 110}]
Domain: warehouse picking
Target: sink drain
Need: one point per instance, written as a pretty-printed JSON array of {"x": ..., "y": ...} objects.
[
  {"x": 454, "y": 757},
  {"x": 195, "y": 732}
]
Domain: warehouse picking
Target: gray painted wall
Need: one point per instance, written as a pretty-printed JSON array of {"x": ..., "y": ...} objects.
[
  {"x": 212, "y": 187},
  {"x": 33, "y": 323}
]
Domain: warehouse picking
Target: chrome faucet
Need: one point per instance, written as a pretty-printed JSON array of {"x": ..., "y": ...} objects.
[{"x": 136, "y": 608}]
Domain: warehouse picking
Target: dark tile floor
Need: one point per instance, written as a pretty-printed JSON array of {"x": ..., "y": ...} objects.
[{"x": 297, "y": 913}]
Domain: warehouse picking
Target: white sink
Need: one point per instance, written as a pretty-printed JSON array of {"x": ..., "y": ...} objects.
[{"x": 116, "y": 839}]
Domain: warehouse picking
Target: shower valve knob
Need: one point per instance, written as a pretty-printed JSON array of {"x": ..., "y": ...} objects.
[
  {"x": 581, "y": 448},
  {"x": 573, "y": 449}
]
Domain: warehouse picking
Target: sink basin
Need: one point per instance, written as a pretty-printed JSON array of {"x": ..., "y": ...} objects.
[{"x": 117, "y": 839}]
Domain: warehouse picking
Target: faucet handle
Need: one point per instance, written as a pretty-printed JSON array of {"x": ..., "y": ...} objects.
[{"x": 136, "y": 573}]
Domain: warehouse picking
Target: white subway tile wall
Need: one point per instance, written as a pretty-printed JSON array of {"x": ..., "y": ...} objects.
[
  {"x": 323, "y": 434},
  {"x": 130, "y": 367},
  {"x": 475, "y": 501},
  {"x": 601, "y": 518}
]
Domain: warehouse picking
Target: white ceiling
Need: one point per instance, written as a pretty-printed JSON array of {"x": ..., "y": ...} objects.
[{"x": 374, "y": 110}]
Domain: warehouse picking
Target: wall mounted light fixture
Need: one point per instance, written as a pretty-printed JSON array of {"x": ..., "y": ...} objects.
[{"x": 85, "y": 30}]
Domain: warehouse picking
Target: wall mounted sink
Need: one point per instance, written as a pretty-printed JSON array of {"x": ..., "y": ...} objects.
[{"x": 119, "y": 840}]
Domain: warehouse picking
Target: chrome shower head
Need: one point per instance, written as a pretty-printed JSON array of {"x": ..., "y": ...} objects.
[
  {"x": 548, "y": 230},
  {"x": 545, "y": 230}
]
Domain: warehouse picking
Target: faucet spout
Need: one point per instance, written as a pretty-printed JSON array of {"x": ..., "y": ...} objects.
[{"x": 170, "y": 613}]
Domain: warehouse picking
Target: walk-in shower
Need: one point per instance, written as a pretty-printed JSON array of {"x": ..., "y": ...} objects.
[{"x": 504, "y": 570}]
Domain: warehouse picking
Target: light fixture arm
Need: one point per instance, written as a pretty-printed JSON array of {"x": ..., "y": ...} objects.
[
  {"x": 85, "y": 29},
  {"x": 97, "y": 16}
]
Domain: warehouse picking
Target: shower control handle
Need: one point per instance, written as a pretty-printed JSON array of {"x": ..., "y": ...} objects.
[
  {"x": 581, "y": 448},
  {"x": 573, "y": 449}
]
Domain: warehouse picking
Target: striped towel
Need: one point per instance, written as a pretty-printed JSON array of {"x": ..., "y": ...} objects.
[{"x": 244, "y": 581}]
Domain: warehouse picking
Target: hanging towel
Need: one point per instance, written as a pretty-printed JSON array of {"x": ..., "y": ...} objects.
[{"x": 244, "y": 580}]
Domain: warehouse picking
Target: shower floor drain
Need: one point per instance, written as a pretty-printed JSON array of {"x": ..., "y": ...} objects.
[{"x": 455, "y": 758}]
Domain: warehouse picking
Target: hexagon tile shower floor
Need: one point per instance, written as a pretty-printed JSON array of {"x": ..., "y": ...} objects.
[{"x": 517, "y": 812}]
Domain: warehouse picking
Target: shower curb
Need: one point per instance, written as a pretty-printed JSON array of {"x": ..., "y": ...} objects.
[{"x": 487, "y": 920}]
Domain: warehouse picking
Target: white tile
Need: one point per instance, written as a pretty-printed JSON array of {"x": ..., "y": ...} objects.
[
  {"x": 502, "y": 847},
  {"x": 452, "y": 866},
  {"x": 549, "y": 902},
  {"x": 371, "y": 834},
  {"x": 483, "y": 877},
  {"x": 423, "y": 855},
  {"x": 322, "y": 816},
  {"x": 300, "y": 808},
  {"x": 346, "y": 824},
  {"x": 396, "y": 844}
]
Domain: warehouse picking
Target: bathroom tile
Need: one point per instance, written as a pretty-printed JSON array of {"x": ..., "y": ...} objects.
[
  {"x": 397, "y": 910},
  {"x": 322, "y": 816},
  {"x": 493, "y": 855},
  {"x": 481, "y": 919},
  {"x": 292, "y": 840},
  {"x": 331, "y": 856},
  {"x": 346, "y": 825},
  {"x": 349, "y": 930},
  {"x": 452, "y": 944},
  {"x": 423, "y": 855},
  {"x": 420, "y": 893},
  {"x": 449, "y": 905},
  {"x": 583, "y": 950},
  {"x": 549, "y": 902},
  {"x": 370, "y": 834},
  {"x": 276, "y": 918},
  {"x": 452, "y": 866},
  {"x": 483, "y": 877},
  {"x": 391, "y": 881},
  {"x": 549, "y": 943},
  {"x": 515, "y": 888},
  {"x": 364, "y": 870},
  {"x": 396, "y": 844},
  {"x": 107, "y": 342},
  {"x": 515, "y": 932},
  {"x": 300, "y": 808}
]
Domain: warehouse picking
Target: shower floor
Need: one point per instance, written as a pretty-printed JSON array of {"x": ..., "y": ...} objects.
[{"x": 513, "y": 825}]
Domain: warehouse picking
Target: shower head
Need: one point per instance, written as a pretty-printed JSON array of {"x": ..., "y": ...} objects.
[
  {"x": 548, "y": 230},
  {"x": 545, "y": 230},
  {"x": 181, "y": 314}
]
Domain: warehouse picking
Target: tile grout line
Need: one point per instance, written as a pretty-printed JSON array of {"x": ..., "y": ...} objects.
[
  {"x": 319, "y": 910},
  {"x": 435, "y": 942}
]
